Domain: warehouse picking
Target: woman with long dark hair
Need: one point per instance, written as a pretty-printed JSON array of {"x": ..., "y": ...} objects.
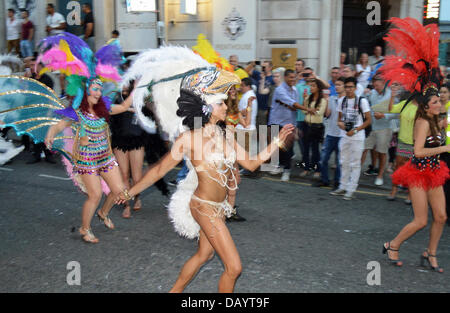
[
  {"x": 424, "y": 175},
  {"x": 200, "y": 204},
  {"x": 313, "y": 127},
  {"x": 416, "y": 67}
]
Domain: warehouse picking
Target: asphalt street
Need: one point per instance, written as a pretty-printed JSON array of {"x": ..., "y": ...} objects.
[{"x": 297, "y": 238}]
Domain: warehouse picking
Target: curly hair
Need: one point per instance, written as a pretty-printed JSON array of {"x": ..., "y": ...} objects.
[
  {"x": 99, "y": 108},
  {"x": 190, "y": 106}
]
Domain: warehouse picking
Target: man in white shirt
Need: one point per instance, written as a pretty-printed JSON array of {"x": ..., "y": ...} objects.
[
  {"x": 13, "y": 32},
  {"x": 347, "y": 72},
  {"x": 56, "y": 23},
  {"x": 354, "y": 117},
  {"x": 248, "y": 106}
]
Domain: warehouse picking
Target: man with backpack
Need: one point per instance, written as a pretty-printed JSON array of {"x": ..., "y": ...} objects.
[{"x": 354, "y": 118}]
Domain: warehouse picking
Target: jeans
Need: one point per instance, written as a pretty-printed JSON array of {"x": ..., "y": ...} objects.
[
  {"x": 351, "y": 152},
  {"x": 183, "y": 172},
  {"x": 300, "y": 139},
  {"x": 26, "y": 48},
  {"x": 310, "y": 143},
  {"x": 331, "y": 144}
]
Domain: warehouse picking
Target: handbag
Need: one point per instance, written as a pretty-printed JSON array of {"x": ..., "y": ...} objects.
[{"x": 316, "y": 131}]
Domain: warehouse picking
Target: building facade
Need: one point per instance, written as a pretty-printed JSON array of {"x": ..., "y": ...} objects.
[{"x": 317, "y": 29}]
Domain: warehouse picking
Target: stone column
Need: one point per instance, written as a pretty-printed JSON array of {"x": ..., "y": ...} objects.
[
  {"x": 3, "y": 16},
  {"x": 325, "y": 36},
  {"x": 412, "y": 8},
  {"x": 330, "y": 36},
  {"x": 104, "y": 21}
]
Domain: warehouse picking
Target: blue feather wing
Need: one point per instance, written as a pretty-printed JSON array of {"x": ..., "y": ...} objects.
[{"x": 28, "y": 106}]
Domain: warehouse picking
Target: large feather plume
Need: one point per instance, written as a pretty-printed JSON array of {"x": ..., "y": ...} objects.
[
  {"x": 207, "y": 52},
  {"x": 152, "y": 66},
  {"x": 7, "y": 62},
  {"x": 416, "y": 50}
]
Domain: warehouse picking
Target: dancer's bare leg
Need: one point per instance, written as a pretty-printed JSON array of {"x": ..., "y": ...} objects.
[
  {"x": 420, "y": 206},
  {"x": 204, "y": 253},
  {"x": 124, "y": 166},
  {"x": 94, "y": 191},
  {"x": 436, "y": 197},
  {"x": 137, "y": 163},
  {"x": 220, "y": 239},
  {"x": 114, "y": 180}
]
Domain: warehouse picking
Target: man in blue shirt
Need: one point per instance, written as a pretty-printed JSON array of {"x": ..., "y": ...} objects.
[
  {"x": 283, "y": 112},
  {"x": 332, "y": 81},
  {"x": 303, "y": 89}
]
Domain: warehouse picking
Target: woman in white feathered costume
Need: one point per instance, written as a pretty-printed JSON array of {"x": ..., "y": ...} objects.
[{"x": 187, "y": 95}]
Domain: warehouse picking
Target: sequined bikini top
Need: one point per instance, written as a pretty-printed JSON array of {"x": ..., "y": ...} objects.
[
  {"x": 218, "y": 162},
  {"x": 430, "y": 162}
]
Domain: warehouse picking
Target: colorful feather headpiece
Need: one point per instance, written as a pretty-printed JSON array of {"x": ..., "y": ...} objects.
[
  {"x": 72, "y": 56},
  {"x": 207, "y": 52},
  {"x": 415, "y": 64}
]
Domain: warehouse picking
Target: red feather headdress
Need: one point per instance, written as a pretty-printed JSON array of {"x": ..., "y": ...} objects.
[{"x": 415, "y": 64}]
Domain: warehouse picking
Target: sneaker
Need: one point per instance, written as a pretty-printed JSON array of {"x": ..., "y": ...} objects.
[
  {"x": 304, "y": 173},
  {"x": 407, "y": 201},
  {"x": 286, "y": 176},
  {"x": 379, "y": 181},
  {"x": 320, "y": 184},
  {"x": 348, "y": 196},
  {"x": 390, "y": 198},
  {"x": 62, "y": 95},
  {"x": 338, "y": 192},
  {"x": 172, "y": 183},
  {"x": 276, "y": 171},
  {"x": 316, "y": 175},
  {"x": 370, "y": 172}
]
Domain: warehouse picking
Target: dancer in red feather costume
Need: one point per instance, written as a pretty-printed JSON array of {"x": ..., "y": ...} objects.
[{"x": 416, "y": 67}]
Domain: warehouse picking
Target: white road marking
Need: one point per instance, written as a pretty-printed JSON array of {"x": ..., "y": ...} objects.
[
  {"x": 6, "y": 169},
  {"x": 54, "y": 177}
]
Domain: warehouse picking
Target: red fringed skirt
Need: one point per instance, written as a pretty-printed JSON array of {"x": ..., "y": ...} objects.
[{"x": 409, "y": 175}]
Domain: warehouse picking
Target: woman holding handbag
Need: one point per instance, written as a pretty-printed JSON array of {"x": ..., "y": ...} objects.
[{"x": 313, "y": 127}]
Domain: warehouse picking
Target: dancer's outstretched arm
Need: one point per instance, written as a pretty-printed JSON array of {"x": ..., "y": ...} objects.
[
  {"x": 54, "y": 130},
  {"x": 124, "y": 106},
  {"x": 159, "y": 170},
  {"x": 264, "y": 155}
]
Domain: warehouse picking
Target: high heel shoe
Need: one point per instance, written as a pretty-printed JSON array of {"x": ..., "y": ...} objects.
[
  {"x": 427, "y": 258},
  {"x": 88, "y": 236},
  {"x": 105, "y": 220},
  {"x": 392, "y": 261}
]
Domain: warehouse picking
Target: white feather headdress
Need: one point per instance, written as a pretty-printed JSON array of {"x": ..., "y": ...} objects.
[
  {"x": 6, "y": 63},
  {"x": 161, "y": 72},
  {"x": 155, "y": 65}
]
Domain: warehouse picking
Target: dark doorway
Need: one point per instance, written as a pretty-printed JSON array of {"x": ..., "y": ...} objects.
[{"x": 357, "y": 35}]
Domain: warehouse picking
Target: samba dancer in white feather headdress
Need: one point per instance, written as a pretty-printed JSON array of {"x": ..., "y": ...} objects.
[{"x": 187, "y": 95}]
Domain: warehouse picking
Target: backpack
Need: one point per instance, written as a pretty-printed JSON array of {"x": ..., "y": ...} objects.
[{"x": 368, "y": 129}]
